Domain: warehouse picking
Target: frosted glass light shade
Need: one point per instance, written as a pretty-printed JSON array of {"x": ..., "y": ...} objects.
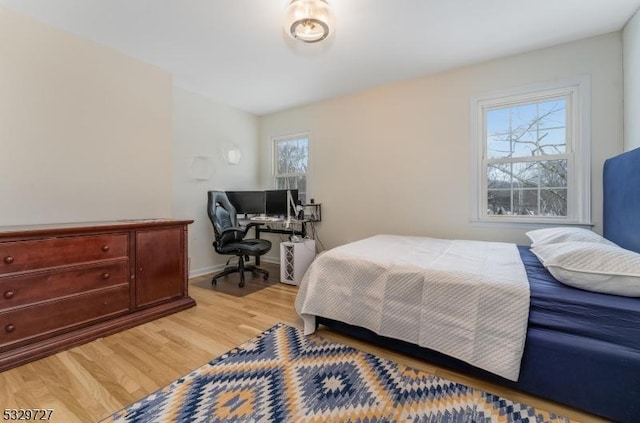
[
  {"x": 232, "y": 154},
  {"x": 309, "y": 21}
]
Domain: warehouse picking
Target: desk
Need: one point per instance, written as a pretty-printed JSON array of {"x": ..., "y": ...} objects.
[{"x": 276, "y": 225}]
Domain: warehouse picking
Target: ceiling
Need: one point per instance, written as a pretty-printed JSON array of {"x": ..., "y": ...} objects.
[{"x": 235, "y": 52}]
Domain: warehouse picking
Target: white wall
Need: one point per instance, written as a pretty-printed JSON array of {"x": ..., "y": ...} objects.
[
  {"x": 395, "y": 159},
  {"x": 85, "y": 132},
  {"x": 204, "y": 128},
  {"x": 631, "y": 42}
]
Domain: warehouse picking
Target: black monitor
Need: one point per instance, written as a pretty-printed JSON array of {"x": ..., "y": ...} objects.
[
  {"x": 276, "y": 202},
  {"x": 247, "y": 202}
]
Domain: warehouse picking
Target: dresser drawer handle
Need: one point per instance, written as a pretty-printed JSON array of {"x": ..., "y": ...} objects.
[
  {"x": 9, "y": 328},
  {"x": 106, "y": 275},
  {"x": 8, "y": 259},
  {"x": 9, "y": 295},
  {"x": 105, "y": 248}
]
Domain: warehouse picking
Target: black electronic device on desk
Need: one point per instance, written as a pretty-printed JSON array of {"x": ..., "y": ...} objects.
[
  {"x": 276, "y": 202},
  {"x": 247, "y": 202},
  {"x": 312, "y": 212}
]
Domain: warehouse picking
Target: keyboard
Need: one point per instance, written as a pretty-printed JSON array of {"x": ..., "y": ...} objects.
[{"x": 264, "y": 219}]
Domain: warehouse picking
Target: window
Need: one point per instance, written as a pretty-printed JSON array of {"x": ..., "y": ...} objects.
[
  {"x": 531, "y": 152},
  {"x": 291, "y": 163}
]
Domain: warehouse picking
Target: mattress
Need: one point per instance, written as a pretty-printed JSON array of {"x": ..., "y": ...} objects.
[
  {"x": 559, "y": 308},
  {"x": 467, "y": 299}
]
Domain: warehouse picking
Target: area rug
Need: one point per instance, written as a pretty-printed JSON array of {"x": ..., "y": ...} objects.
[{"x": 283, "y": 376}]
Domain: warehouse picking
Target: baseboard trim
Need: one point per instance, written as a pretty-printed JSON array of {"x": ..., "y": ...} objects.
[
  {"x": 205, "y": 270},
  {"x": 271, "y": 259}
]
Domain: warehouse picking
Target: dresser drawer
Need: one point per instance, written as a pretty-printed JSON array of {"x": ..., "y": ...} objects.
[
  {"x": 19, "y": 290},
  {"x": 18, "y": 256},
  {"x": 44, "y": 320}
]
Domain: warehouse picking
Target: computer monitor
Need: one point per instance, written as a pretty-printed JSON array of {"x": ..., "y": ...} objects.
[
  {"x": 276, "y": 202},
  {"x": 247, "y": 202}
]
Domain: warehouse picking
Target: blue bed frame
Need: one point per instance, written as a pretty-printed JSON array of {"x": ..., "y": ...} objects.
[
  {"x": 622, "y": 200},
  {"x": 562, "y": 369}
]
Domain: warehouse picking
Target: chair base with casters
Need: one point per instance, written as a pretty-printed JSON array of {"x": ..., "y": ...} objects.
[{"x": 241, "y": 267}]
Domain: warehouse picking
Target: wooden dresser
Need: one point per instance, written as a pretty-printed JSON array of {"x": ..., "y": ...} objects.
[{"x": 63, "y": 285}]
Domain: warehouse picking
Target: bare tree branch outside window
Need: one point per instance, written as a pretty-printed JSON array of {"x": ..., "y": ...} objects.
[
  {"x": 526, "y": 163},
  {"x": 291, "y": 164}
]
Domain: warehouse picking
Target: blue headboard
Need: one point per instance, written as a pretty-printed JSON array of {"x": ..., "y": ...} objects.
[{"x": 621, "y": 211}]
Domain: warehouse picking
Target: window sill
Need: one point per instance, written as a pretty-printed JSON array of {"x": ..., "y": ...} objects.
[{"x": 525, "y": 224}]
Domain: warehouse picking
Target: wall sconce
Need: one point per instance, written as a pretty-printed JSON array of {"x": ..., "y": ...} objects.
[{"x": 232, "y": 154}]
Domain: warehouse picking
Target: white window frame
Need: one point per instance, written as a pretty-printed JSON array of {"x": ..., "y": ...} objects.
[
  {"x": 578, "y": 150},
  {"x": 274, "y": 159}
]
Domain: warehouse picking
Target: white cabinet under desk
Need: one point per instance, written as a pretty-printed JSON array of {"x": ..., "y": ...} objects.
[{"x": 295, "y": 258}]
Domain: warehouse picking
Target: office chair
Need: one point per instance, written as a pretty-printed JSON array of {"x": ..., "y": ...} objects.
[{"x": 230, "y": 237}]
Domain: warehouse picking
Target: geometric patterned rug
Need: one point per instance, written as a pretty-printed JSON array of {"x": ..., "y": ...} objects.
[{"x": 283, "y": 376}]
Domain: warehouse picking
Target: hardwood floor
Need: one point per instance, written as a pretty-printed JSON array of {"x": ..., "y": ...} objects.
[{"x": 92, "y": 381}]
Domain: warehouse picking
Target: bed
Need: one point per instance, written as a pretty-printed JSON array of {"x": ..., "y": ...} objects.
[{"x": 581, "y": 348}]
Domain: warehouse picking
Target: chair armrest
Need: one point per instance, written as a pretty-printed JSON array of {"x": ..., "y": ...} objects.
[
  {"x": 252, "y": 224},
  {"x": 229, "y": 235},
  {"x": 239, "y": 229},
  {"x": 236, "y": 229}
]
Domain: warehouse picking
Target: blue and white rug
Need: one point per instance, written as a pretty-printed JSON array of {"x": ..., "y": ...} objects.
[{"x": 283, "y": 376}]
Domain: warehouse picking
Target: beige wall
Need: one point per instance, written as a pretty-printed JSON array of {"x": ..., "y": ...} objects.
[
  {"x": 202, "y": 130},
  {"x": 85, "y": 132},
  {"x": 395, "y": 159},
  {"x": 631, "y": 41}
]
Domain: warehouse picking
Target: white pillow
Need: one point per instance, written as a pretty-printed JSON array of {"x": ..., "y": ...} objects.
[
  {"x": 564, "y": 234},
  {"x": 593, "y": 266}
]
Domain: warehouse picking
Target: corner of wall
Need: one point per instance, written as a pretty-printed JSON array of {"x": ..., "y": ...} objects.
[{"x": 631, "y": 71}]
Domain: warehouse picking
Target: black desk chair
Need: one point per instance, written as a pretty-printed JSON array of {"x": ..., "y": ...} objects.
[{"x": 230, "y": 237}]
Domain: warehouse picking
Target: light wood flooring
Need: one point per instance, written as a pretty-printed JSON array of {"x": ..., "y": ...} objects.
[{"x": 92, "y": 381}]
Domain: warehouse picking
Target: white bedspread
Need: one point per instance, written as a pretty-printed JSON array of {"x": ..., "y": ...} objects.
[{"x": 466, "y": 299}]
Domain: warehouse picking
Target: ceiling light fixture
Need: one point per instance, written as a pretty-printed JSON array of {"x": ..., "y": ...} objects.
[{"x": 309, "y": 21}]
